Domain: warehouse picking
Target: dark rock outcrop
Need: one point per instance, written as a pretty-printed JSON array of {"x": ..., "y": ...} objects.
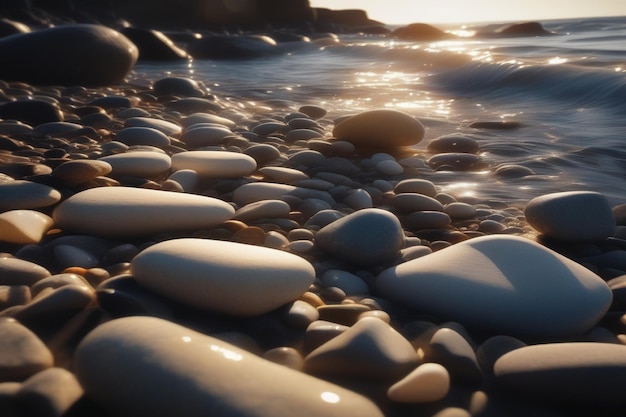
[
  {"x": 517, "y": 30},
  {"x": 233, "y": 47}
]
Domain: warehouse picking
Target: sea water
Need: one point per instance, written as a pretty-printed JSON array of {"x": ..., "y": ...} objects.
[{"x": 567, "y": 91}]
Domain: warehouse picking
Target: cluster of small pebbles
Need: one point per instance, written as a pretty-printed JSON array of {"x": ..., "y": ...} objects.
[{"x": 169, "y": 252}]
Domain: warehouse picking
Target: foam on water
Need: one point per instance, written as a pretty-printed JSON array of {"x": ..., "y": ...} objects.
[{"x": 568, "y": 91}]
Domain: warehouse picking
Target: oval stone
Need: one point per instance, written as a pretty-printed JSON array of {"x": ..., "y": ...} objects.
[
  {"x": 21, "y": 194},
  {"x": 380, "y": 129},
  {"x": 142, "y": 136},
  {"x": 571, "y": 216},
  {"x": 232, "y": 278},
  {"x": 589, "y": 374},
  {"x": 24, "y": 226},
  {"x": 501, "y": 284},
  {"x": 141, "y": 164},
  {"x": 161, "y": 360},
  {"x": 125, "y": 211},
  {"x": 215, "y": 164}
]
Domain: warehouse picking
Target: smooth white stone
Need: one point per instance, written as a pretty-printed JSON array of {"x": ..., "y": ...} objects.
[
  {"x": 164, "y": 126},
  {"x": 161, "y": 361},
  {"x": 15, "y": 271},
  {"x": 24, "y": 226},
  {"x": 126, "y": 211},
  {"x": 142, "y": 164},
  {"x": 232, "y": 278},
  {"x": 426, "y": 383},
  {"x": 275, "y": 240},
  {"x": 502, "y": 284},
  {"x": 215, "y": 164},
  {"x": 573, "y": 216},
  {"x": 412, "y": 202},
  {"x": 265, "y": 209},
  {"x": 21, "y": 194}
]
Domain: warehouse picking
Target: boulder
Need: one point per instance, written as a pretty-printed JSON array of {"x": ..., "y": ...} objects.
[{"x": 88, "y": 55}]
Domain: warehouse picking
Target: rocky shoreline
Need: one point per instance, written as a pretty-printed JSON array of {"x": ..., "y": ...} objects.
[{"x": 167, "y": 251}]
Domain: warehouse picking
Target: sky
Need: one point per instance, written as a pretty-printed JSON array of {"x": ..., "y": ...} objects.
[{"x": 466, "y": 11}]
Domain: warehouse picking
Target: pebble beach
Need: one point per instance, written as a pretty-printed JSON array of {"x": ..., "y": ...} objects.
[{"x": 166, "y": 250}]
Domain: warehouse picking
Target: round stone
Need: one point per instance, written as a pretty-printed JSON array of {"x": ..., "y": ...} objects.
[
  {"x": 162, "y": 360},
  {"x": 125, "y": 211},
  {"x": 182, "y": 86},
  {"x": 232, "y": 278},
  {"x": 453, "y": 143},
  {"x": 380, "y": 129},
  {"x": 411, "y": 202},
  {"x": 503, "y": 285},
  {"x": 201, "y": 136},
  {"x": 366, "y": 237},
  {"x": 164, "y": 126},
  {"x": 14, "y": 271},
  {"x": 416, "y": 185},
  {"x": 571, "y": 216}
]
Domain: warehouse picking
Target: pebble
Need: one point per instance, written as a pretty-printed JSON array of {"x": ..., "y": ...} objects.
[
  {"x": 265, "y": 209},
  {"x": 22, "y": 194},
  {"x": 133, "y": 136},
  {"x": 140, "y": 164},
  {"x": 413, "y": 202},
  {"x": 503, "y": 284},
  {"x": 416, "y": 185},
  {"x": 348, "y": 282},
  {"x": 227, "y": 277},
  {"x": 458, "y": 210},
  {"x": 14, "y": 271},
  {"x": 215, "y": 164},
  {"x": 182, "y": 86},
  {"x": 205, "y": 135},
  {"x": 428, "y": 382},
  {"x": 369, "y": 349},
  {"x": 454, "y": 352},
  {"x": 24, "y": 226},
  {"x": 571, "y": 216},
  {"x": 575, "y": 374},
  {"x": 81, "y": 171},
  {"x": 208, "y": 373},
  {"x": 380, "y": 129},
  {"x": 23, "y": 353},
  {"x": 365, "y": 237},
  {"x": 168, "y": 128},
  {"x": 283, "y": 175},
  {"x": 453, "y": 143},
  {"x": 427, "y": 220},
  {"x": 125, "y": 211}
]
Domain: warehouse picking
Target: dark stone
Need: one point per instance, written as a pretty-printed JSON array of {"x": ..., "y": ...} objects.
[
  {"x": 505, "y": 125},
  {"x": 32, "y": 112},
  {"x": 86, "y": 55},
  {"x": 233, "y": 47},
  {"x": 420, "y": 32},
  {"x": 191, "y": 105},
  {"x": 177, "y": 86},
  {"x": 518, "y": 30},
  {"x": 154, "y": 45}
]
